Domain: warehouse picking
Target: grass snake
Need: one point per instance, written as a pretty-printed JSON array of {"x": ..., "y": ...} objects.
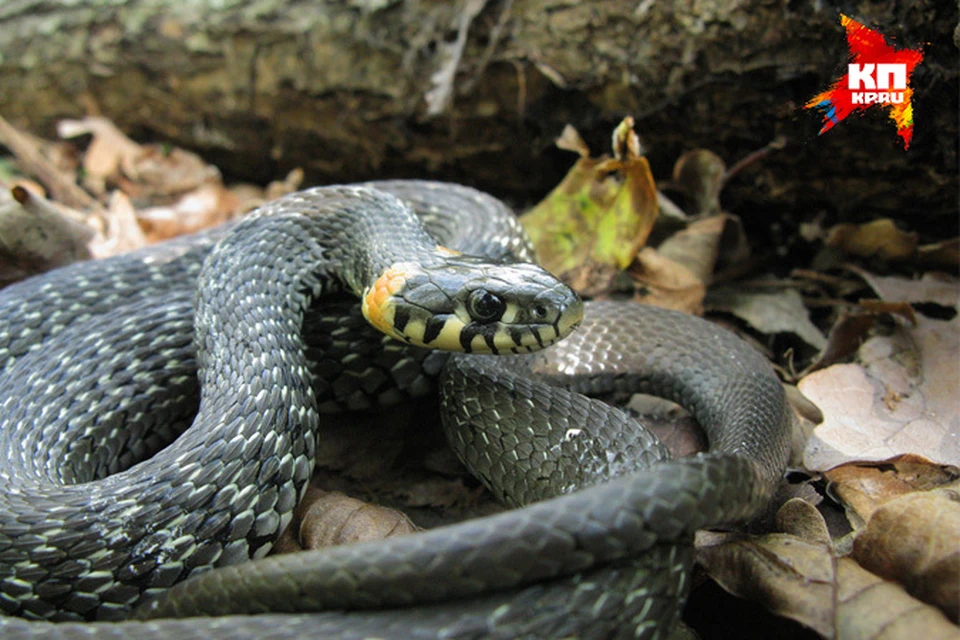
[{"x": 159, "y": 413}]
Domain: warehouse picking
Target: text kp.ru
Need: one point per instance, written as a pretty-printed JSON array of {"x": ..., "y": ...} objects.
[{"x": 864, "y": 80}]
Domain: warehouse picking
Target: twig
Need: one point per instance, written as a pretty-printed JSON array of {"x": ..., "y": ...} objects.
[
  {"x": 32, "y": 161},
  {"x": 774, "y": 145},
  {"x": 439, "y": 97}
]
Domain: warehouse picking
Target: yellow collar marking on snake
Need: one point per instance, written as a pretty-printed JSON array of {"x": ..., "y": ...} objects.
[{"x": 378, "y": 306}]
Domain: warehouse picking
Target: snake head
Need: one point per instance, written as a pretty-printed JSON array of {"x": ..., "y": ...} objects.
[{"x": 462, "y": 303}]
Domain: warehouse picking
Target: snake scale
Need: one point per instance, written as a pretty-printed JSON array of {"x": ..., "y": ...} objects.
[{"x": 159, "y": 414}]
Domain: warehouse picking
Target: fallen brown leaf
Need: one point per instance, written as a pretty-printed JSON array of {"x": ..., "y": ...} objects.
[
  {"x": 787, "y": 575},
  {"x": 942, "y": 255},
  {"x": 207, "y": 206},
  {"x": 938, "y": 288},
  {"x": 733, "y": 258},
  {"x": 800, "y": 518},
  {"x": 673, "y": 426},
  {"x": 879, "y": 238},
  {"x": 802, "y": 579},
  {"x": 110, "y": 154},
  {"x": 802, "y": 405},
  {"x": 844, "y": 339},
  {"x": 290, "y": 183},
  {"x": 699, "y": 175},
  {"x": 167, "y": 172},
  {"x": 120, "y": 231},
  {"x": 915, "y": 540},
  {"x": 870, "y": 607},
  {"x": 768, "y": 311},
  {"x": 662, "y": 282},
  {"x": 837, "y": 285},
  {"x": 330, "y": 519},
  {"x": 902, "y": 399},
  {"x": 863, "y": 487},
  {"x": 697, "y": 246},
  {"x": 36, "y": 236},
  {"x": 149, "y": 172}
]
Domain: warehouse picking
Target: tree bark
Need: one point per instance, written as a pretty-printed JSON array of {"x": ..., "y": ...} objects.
[{"x": 476, "y": 90}]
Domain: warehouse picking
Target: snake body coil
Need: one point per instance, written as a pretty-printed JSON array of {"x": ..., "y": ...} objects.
[{"x": 99, "y": 374}]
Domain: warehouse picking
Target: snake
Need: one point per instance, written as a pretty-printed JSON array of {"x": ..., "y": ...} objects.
[{"x": 160, "y": 411}]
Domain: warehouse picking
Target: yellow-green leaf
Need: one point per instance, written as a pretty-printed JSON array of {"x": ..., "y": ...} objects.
[{"x": 599, "y": 216}]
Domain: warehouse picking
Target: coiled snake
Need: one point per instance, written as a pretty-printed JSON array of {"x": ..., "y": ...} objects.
[{"x": 122, "y": 477}]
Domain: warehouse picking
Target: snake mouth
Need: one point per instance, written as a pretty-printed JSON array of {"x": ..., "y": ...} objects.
[{"x": 571, "y": 316}]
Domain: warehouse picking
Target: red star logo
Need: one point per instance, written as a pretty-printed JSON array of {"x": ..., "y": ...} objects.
[{"x": 878, "y": 75}]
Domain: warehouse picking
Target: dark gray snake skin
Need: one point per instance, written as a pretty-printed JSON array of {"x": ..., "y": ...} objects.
[{"x": 99, "y": 373}]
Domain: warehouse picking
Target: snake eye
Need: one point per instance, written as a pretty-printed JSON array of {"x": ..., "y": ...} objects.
[{"x": 485, "y": 307}]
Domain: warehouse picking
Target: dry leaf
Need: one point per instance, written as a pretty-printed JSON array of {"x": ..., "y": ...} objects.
[
  {"x": 915, "y": 540},
  {"x": 783, "y": 573},
  {"x": 110, "y": 153},
  {"x": 570, "y": 140},
  {"x": 670, "y": 213},
  {"x": 36, "y": 236},
  {"x": 673, "y": 426},
  {"x": 120, "y": 230},
  {"x": 248, "y": 196},
  {"x": 844, "y": 339},
  {"x": 820, "y": 281},
  {"x": 699, "y": 175},
  {"x": 938, "y": 288},
  {"x": 330, "y": 519},
  {"x": 662, "y": 282},
  {"x": 287, "y": 542},
  {"x": 33, "y": 188},
  {"x": 870, "y": 607},
  {"x": 880, "y": 238},
  {"x": 394, "y": 457},
  {"x": 708, "y": 244},
  {"x": 733, "y": 258},
  {"x": 697, "y": 246},
  {"x": 279, "y": 188},
  {"x": 802, "y": 580},
  {"x": 943, "y": 255},
  {"x": 768, "y": 312},
  {"x": 207, "y": 206},
  {"x": 326, "y": 519},
  {"x": 159, "y": 172},
  {"x": 863, "y": 487},
  {"x": 850, "y": 331},
  {"x": 593, "y": 223},
  {"x": 802, "y": 405},
  {"x": 141, "y": 171},
  {"x": 800, "y": 518},
  {"x": 902, "y": 399}
]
